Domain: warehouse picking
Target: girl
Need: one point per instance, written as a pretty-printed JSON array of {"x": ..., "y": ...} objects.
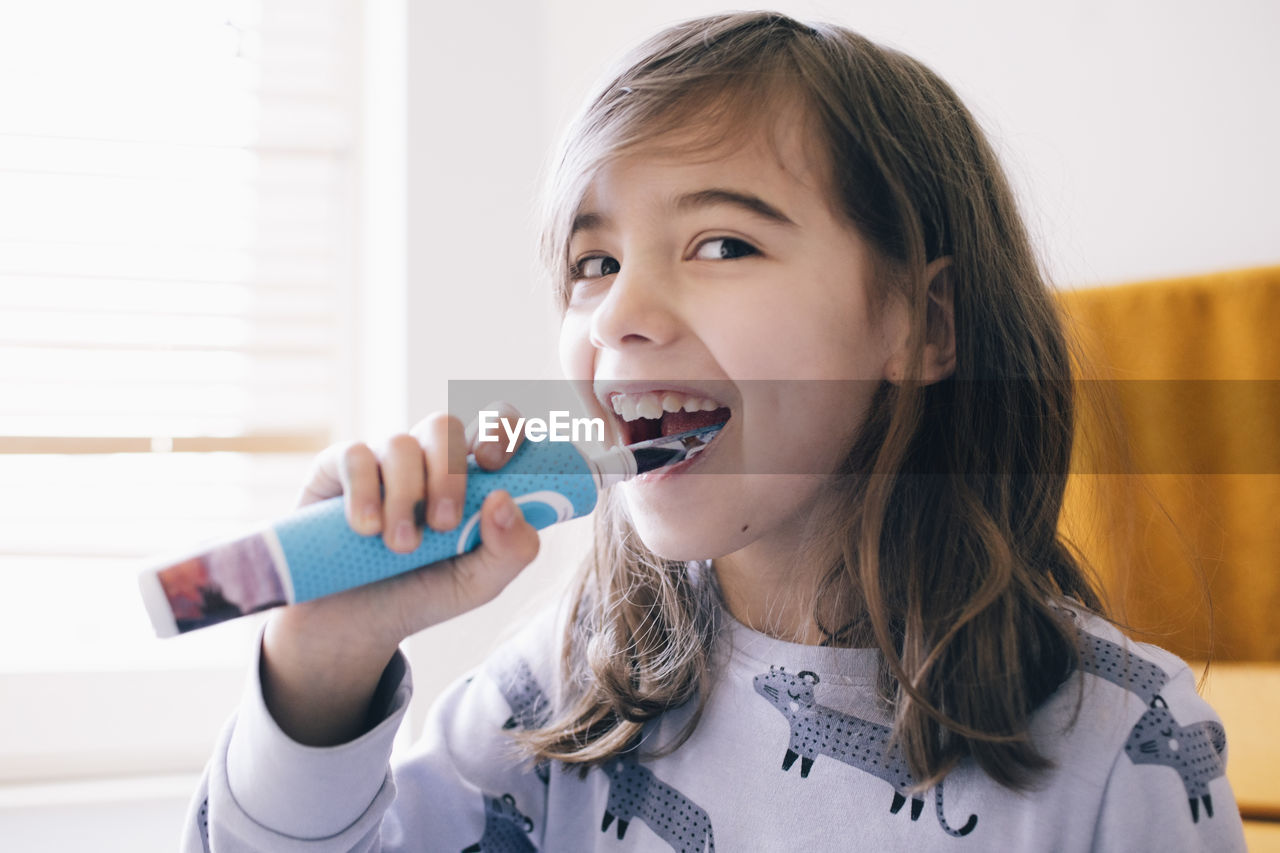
[{"x": 853, "y": 605}]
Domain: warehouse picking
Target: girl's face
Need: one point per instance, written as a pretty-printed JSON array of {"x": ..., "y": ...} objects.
[{"x": 729, "y": 278}]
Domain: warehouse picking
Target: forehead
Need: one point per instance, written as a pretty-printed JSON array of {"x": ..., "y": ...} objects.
[{"x": 777, "y": 161}]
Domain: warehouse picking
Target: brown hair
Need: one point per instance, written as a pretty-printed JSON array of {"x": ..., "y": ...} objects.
[{"x": 946, "y": 508}]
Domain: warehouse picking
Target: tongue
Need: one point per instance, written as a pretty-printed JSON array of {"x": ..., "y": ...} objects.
[{"x": 677, "y": 422}]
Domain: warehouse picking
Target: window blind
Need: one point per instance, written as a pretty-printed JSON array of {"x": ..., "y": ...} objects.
[{"x": 177, "y": 185}]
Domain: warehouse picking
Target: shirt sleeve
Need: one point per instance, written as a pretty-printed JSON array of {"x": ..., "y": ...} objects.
[
  {"x": 1167, "y": 789},
  {"x": 464, "y": 783},
  {"x": 264, "y": 791}
]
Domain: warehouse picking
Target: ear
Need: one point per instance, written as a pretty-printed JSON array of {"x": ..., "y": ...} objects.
[{"x": 939, "y": 357}]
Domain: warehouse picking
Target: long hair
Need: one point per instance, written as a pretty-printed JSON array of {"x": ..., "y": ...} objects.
[{"x": 944, "y": 513}]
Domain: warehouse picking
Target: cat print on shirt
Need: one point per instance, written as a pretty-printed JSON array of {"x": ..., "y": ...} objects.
[
  {"x": 203, "y": 819},
  {"x": 505, "y": 828},
  {"x": 634, "y": 792},
  {"x": 529, "y": 705},
  {"x": 819, "y": 730},
  {"x": 1194, "y": 752},
  {"x": 1116, "y": 664}
]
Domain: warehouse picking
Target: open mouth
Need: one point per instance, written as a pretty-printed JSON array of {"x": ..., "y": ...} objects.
[{"x": 653, "y": 414}]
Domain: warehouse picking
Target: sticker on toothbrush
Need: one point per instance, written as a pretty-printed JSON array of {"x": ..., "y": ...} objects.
[
  {"x": 222, "y": 584},
  {"x": 541, "y": 509}
]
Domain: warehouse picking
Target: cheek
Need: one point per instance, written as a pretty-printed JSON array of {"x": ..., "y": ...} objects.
[
  {"x": 576, "y": 353},
  {"x": 814, "y": 332},
  {"x": 577, "y": 363}
]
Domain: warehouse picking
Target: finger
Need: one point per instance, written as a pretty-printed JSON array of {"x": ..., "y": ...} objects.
[
  {"x": 404, "y": 481},
  {"x": 361, "y": 484},
  {"x": 454, "y": 586},
  {"x": 491, "y": 455},
  {"x": 445, "y": 444},
  {"x": 324, "y": 481},
  {"x": 508, "y": 540},
  {"x": 508, "y": 544}
]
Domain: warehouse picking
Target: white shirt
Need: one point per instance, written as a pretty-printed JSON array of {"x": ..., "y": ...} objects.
[{"x": 789, "y": 755}]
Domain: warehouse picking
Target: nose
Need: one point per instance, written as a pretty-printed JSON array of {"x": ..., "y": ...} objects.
[{"x": 637, "y": 310}]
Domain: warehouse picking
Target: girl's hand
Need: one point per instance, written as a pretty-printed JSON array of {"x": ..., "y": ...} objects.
[
  {"x": 322, "y": 659},
  {"x": 417, "y": 476}
]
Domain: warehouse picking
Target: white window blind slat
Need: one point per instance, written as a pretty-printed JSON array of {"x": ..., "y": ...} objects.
[
  {"x": 273, "y": 373},
  {"x": 278, "y": 268},
  {"x": 298, "y": 410},
  {"x": 87, "y": 210},
  {"x": 139, "y": 505},
  {"x": 209, "y": 299},
  {"x": 188, "y": 330}
]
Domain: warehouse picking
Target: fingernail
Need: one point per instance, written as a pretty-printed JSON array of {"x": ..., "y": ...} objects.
[
  {"x": 406, "y": 535},
  {"x": 370, "y": 516},
  {"x": 445, "y": 512},
  {"x": 505, "y": 515},
  {"x": 492, "y": 454}
]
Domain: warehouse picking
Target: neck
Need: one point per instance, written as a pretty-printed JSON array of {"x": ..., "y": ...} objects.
[{"x": 771, "y": 591}]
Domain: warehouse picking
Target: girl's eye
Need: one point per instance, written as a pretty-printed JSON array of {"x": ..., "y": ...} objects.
[
  {"x": 723, "y": 249},
  {"x": 596, "y": 267}
]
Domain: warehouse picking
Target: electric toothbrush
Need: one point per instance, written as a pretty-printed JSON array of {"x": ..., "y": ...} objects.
[{"x": 314, "y": 552}]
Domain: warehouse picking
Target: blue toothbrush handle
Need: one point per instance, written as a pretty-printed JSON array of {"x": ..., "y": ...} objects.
[
  {"x": 313, "y": 552},
  {"x": 549, "y": 481}
]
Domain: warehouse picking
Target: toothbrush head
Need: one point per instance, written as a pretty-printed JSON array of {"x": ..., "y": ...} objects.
[{"x": 671, "y": 449}]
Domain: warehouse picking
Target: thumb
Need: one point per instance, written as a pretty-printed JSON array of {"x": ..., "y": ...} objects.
[{"x": 508, "y": 544}]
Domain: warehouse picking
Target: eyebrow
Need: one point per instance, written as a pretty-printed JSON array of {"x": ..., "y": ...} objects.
[
  {"x": 746, "y": 201},
  {"x": 587, "y": 222},
  {"x": 712, "y": 197}
]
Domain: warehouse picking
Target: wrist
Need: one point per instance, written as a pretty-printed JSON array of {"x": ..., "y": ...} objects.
[{"x": 320, "y": 674}]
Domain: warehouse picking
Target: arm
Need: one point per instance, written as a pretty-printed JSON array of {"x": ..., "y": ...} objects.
[
  {"x": 321, "y": 660},
  {"x": 306, "y": 758},
  {"x": 462, "y": 783},
  {"x": 264, "y": 791}
]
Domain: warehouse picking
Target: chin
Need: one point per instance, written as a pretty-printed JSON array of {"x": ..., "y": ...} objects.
[
  {"x": 669, "y": 548},
  {"x": 681, "y": 540}
]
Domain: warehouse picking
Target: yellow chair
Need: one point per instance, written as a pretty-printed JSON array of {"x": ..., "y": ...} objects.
[{"x": 1184, "y": 512}]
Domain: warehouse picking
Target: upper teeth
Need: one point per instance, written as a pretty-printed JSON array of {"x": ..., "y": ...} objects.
[{"x": 651, "y": 404}]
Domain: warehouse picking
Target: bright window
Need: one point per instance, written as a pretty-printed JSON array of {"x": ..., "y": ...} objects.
[{"x": 177, "y": 246}]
